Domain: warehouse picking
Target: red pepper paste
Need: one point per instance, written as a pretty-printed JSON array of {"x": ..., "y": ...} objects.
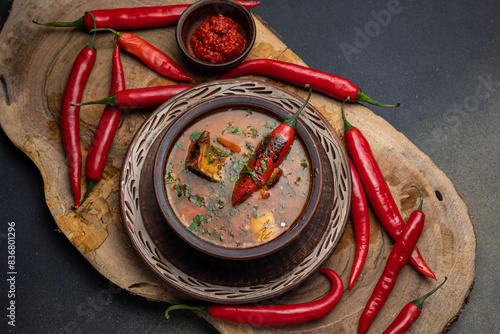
[{"x": 218, "y": 40}]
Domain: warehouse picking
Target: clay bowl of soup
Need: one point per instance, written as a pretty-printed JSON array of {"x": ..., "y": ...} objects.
[{"x": 199, "y": 161}]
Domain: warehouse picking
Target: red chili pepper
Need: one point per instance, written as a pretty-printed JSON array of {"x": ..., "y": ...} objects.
[
  {"x": 398, "y": 257},
  {"x": 147, "y": 97},
  {"x": 377, "y": 190},
  {"x": 265, "y": 159},
  {"x": 361, "y": 223},
  {"x": 275, "y": 315},
  {"x": 150, "y": 55},
  {"x": 106, "y": 129},
  {"x": 329, "y": 84},
  {"x": 133, "y": 18},
  {"x": 70, "y": 115},
  {"x": 409, "y": 314}
]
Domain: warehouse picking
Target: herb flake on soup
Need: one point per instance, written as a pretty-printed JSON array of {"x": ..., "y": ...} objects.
[{"x": 205, "y": 163}]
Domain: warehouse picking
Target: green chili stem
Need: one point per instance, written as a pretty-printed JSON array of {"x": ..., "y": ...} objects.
[
  {"x": 201, "y": 307},
  {"x": 292, "y": 121},
  {"x": 78, "y": 23},
  {"x": 347, "y": 125},
  {"x": 362, "y": 97},
  {"x": 90, "y": 185},
  {"x": 421, "y": 198},
  {"x": 92, "y": 43},
  {"x": 110, "y": 101},
  {"x": 117, "y": 33},
  {"x": 419, "y": 302}
]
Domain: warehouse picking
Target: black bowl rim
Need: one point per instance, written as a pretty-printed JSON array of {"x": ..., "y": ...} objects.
[
  {"x": 205, "y": 64},
  {"x": 201, "y": 110}
]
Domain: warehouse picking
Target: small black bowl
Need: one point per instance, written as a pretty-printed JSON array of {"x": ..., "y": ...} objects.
[{"x": 203, "y": 10}]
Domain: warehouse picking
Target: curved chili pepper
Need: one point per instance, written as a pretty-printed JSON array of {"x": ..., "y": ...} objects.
[
  {"x": 398, "y": 257},
  {"x": 329, "y": 84},
  {"x": 274, "y": 315},
  {"x": 377, "y": 190},
  {"x": 70, "y": 114},
  {"x": 409, "y": 314},
  {"x": 147, "y": 97},
  {"x": 106, "y": 129},
  {"x": 133, "y": 18},
  {"x": 361, "y": 223},
  {"x": 155, "y": 59},
  {"x": 265, "y": 159}
]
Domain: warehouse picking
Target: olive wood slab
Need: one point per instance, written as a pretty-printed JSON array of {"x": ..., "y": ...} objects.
[{"x": 35, "y": 66}]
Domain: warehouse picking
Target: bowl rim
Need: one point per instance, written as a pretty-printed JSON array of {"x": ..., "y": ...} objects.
[
  {"x": 212, "y": 106},
  {"x": 202, "y": 63}
]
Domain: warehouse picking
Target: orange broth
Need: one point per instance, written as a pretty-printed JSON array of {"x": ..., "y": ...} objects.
[{"x": 204, "y": 206}]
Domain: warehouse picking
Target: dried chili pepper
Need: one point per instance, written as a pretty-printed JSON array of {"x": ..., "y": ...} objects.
[
  {"x": 268, "y": 155},
  {"x": 147, "y": 97},
  {"x": 70, "y": 114},
  {"x": 377, "y": 190},
  {"x": 397, "y": 259},
  {"x": 361, "y": 223},
  {"x": 133, "y": 18},
  {"x": 329, "y": 84},
  {"x": 106, "y": 129},
  {"x": 274, "y": 315},
  {"x": 409, "y": 314},
  {"x": 154, "y": 58}
]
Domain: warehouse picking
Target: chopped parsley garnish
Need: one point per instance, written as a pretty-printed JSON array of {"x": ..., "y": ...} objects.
[
  {"x": 255, "y": 214},
  {"x": 279, "y": 211},
  {"x": 197, "y": 221},
  {"x": 303, "y": 163},
  {"x": 249, "y": 145},
  {"x": 270, "y": 125},
  {"x": 221, "y": 153},
  {"x": 263, "y": 164},
  {"x": 169, "y": 178},
  {"x": 180, "y": 146},
  {"x": 249, "y": 111},
  {"x": 195, "y": 135}
]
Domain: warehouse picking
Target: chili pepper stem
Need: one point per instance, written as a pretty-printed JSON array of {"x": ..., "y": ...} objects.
[
  {"x": 420, "y": 301},
  {"x": 421, "y": 198},
  {"x": 110, "y": 101},
  {"x": 201, "y": 307},
  {"x": 292, "y": 121},
  {"x": 362, "y": 97},
  {"x": 90, "y": 185},
  {"x": 92, "y": 43},
  {"x": 347, "y": 125},
  {"x": 117, "y": 33},
  {"x": 78, "y": 23}
]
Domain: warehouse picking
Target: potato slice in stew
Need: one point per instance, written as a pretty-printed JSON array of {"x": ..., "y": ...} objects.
[
  {"x": 264, "y": 227},
  {"x": 205, "y": 159}
]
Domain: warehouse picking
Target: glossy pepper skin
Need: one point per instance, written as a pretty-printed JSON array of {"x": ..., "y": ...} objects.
[
  {"x": 133, "y": 18},
  {"x": 266, "y": 158},
  {"x": 70, "y": 115},
  {"x": 409, "y": 314},
  {"x": 106, "y": 129},
  {"x": 360, "y": 219},
  {"x": 139, "y": 98},
  {"x": 329, "y": 84},
  {"x": 397, "y": 259},
  {"x": 377, "y": 190},
  {"x": 150, "y": 55},
  {"x": 275, "y": 315}
]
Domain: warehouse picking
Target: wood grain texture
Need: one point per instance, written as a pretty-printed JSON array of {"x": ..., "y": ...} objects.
[{"x": 35, "y": 63}]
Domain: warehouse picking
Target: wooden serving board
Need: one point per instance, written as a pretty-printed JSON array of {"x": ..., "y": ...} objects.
[{"x": 35, "y": 66}]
